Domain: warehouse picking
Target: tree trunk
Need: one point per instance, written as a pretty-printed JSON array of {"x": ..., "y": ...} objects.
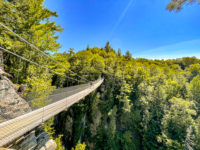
[{"x": 1, "y": 60}]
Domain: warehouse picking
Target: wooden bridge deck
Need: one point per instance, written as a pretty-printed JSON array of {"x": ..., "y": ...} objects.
[{"x": 13, "y": 129}]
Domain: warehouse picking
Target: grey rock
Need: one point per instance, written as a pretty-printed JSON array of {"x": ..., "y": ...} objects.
[
  {"x": 31, "y": 142},
  {"x": 22, "y": 88},
  {"x": 3, "y": 73},
  {"x": 11, "y": 104},
  {"x": 28, "y": 143},
  {"x": 45, "y": 142}
]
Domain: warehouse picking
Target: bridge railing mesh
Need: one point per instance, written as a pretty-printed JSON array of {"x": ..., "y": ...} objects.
[
  {"x": 61, "y": 98},
  {"x": 43, "y": 98},
  {"x": 39, "y": 99}
]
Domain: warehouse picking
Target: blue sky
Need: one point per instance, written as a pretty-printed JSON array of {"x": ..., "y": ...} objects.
[{"x": 144, "y": 27}]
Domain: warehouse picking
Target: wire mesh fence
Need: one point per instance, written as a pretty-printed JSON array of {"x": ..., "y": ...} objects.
[
  {"x": 44, "y": 107},
  {"x": 15, "y": 105},
  {"x": 43, "y": 98}
]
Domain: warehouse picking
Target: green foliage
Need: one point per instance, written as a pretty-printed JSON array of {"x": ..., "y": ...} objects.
[
  {"x": 176, "y": 121},
  {"x": 195, "y": 91},
  {"x": 49, "y": 129},
  {"x": 178, "y": 4},
  {"x": 194, "y": 70},
  {"x": 124, "y": 96},
  {"x": 59, "y": 143},
  {"x": 142, "y": 104},
  {"x": 30, "y": 19},
  {"x": 197, "y": 133},
  {"x": 80, "y": 147}
]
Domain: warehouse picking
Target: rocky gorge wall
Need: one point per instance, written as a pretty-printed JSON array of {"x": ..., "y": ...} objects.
[{"x": 13, "y": 105}]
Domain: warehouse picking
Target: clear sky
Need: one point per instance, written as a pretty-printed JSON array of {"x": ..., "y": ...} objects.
[{"x": 144, "y": 27}]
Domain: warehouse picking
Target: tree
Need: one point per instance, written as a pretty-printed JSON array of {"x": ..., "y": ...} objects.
[
  {"x": 178, "y": 4},
  {"x": 1, "y": 60},
  {"x": 124, "y": 97},
  {"x": 128, "y": 55},
  {"x": 80, "y": 146},
  {"x": 71, "y": 52},
  {"x": 32, "y": 24},
  {"x": 176, "y": 122},
  {"x": 195, "y": 91},
  {"x": 59, "y": 143},
  {"x": 197, "y": 135},
  {"x": 119, "y": 52},
  {"x": 31, "y": 20},
  {"x": 88, "y": 47},
  {"x": 48, "y": 128},
  {"x": 194, "y": 69},
  {"x": 148, "y": 104},
  {"x": 108, "y": 47}
]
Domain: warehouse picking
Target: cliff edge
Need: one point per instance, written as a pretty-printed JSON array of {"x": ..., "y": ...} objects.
[{"x": 13, "y": 105}]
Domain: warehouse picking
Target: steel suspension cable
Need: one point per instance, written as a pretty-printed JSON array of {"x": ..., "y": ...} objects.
[
  {"x": 8, "y": 51},
  {"x": 40, "y": 50}
]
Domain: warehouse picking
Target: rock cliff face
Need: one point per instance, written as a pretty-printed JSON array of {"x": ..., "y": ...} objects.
[
  {"x": 31, "y": 141},
  {"x": 44, "y": 142},
  {"x": 11, "y": 106}
]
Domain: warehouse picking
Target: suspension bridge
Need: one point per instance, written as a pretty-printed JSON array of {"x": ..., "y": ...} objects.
[{"x": 54, "y": 103}]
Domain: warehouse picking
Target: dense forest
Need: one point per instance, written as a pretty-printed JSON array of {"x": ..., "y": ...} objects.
[{"x": 142, "y": 104}]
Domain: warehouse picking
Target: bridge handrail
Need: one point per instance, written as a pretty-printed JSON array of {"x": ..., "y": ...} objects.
[{"x": 12, "y": 129}]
